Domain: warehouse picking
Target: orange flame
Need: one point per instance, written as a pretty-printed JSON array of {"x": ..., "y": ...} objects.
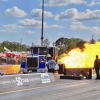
[{"x": 82, "y": 59}]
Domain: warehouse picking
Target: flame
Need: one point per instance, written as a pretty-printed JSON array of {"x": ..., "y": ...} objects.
[{"x": 81, "y": 59}]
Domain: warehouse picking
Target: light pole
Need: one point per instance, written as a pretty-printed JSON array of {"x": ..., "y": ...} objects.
[{"x": 42, "y": 22}]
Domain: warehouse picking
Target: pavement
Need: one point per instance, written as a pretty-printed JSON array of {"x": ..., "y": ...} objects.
[{"x": 61, "y": 89}]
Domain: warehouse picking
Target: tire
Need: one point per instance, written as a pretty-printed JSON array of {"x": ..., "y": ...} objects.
[
  {"x": 63, "y": 67},
  {"x": 90, "y": 74},
  {"x": 59, "y": 71},
  {"x": 65, "y": 71}
]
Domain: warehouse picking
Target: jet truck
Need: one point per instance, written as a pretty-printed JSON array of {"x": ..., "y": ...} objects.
[{"x": 35, "y": 61}]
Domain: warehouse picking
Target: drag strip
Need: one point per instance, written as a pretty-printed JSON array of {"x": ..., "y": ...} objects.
[{"x": 39, "y": 90}]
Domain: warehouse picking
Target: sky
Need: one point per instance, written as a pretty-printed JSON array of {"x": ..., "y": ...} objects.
[{"x": 21, "y": 20}]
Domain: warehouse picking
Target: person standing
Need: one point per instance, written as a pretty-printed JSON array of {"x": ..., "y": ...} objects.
[
  {"x": 96, "y": 67},
  {"x": 51, "y": 64},
  {"x": 14, "y": 59}
]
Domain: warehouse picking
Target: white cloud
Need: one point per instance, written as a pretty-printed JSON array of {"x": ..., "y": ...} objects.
[
  {"x": 29, "y": 32},
  {"x": 93, "y": 3},
  {"x": 73, "y": 14},
  {"x": 38, "y": 40},
  {"x": 77, "y": 23},
  {"x": 54, "y": 26},
  {"x": 60, "y": 33},
  {"x": 64, "y": 2},
  {"x": 80, "y": 26},
  {"x": 2, "y": 30},
  {"x": 32, "y": 23},
  {"x": 12, "y": 26},
  {"x": 46, "y": 33},
  {"x": 95, "y": 30},
  {"x": 8, "y": 31},
  {"x": 36, "y": 24},
  {"x": 37, "y": 13},
  {"x": 15, "y": 12}
]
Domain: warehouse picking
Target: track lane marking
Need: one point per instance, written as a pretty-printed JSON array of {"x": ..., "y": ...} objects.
[{"x": 38, "y": 88}]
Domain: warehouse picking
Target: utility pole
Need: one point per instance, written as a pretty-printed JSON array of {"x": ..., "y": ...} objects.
[
  {"x": 92, "y": 36},
  {"x": 53, "y": 49},
  {"x": 42, "y": 22},
  {"x": 20, "y": 43}
]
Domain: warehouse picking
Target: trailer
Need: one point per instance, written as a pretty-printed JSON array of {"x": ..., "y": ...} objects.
[{"x": 86, "y": 72}]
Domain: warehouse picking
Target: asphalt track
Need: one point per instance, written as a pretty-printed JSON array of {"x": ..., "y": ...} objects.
[{"x": 61, "y": 89}]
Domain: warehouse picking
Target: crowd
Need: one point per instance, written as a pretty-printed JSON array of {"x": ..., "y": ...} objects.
[{"x": 11, "y": 59}]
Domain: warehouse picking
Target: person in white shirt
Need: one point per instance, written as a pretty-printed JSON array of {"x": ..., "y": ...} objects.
[{"x": 51, "y": 64}]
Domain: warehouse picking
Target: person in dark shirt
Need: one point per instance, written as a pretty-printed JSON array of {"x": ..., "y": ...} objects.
[{"x": 96, "y": 67}]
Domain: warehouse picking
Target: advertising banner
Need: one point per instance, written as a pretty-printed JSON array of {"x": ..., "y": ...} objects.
[
  {"x": 52, "y": 78},
  {"x": 45, "y": 78},
  {"x": 9, "y": 69}
]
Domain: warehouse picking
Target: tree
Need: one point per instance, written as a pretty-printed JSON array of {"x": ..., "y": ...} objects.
[
  {"x": 13, "y": 46},
  {"x": 66, "y": 44},
  {"x": 46, "y": 42},
  {"x": 61, "y": 42}
]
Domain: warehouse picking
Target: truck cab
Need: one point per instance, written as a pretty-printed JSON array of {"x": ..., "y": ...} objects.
[{"x": 35, "y": 61}]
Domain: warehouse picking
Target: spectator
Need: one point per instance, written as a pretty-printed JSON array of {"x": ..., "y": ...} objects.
[
  {"x": 13, "y": 59},
  {"x": 19, "y": 60},
  {"x": 96, "y": 67},
  {"x": 51, "y": 64}
]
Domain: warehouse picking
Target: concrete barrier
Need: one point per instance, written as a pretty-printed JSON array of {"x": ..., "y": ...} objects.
[{"x": 8, "y": 81}]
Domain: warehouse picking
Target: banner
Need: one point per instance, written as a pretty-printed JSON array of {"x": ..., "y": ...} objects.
[
  {"x": 9, "y": 69},
  {"x": 45, "y": 78}
]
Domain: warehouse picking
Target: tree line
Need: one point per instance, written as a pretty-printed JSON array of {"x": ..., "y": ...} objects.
[
  {"x": 14, "y": 46},
  {"x": 66, "y": 44}
]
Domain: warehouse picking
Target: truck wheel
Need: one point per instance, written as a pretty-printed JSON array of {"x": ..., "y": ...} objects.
[
  {"x": 63, "y": 67},
  {"x": 90, "y": 74},
  {"x": 65, "y": 71},
  {"x": 59, "y": 71}
]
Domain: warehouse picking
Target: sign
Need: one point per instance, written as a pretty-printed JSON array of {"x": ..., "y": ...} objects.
[
  {"x": 10, "y": 69},
  {"x": 45, "y": 78},
  {"x": 51, "y": 77}
]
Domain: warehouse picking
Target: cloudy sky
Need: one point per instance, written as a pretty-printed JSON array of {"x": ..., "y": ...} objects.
[{"x": 62, "y": 18}]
